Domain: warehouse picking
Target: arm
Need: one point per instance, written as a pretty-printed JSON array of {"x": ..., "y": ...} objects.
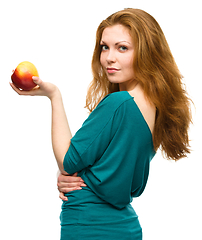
[{"x": 61, "y": 134}]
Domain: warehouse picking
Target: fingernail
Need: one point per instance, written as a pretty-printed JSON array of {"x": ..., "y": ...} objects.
[
  {"x": 78, "y": 188},
  {"x": 83, "y": 185},
  {"x": 34, "y": 78}
]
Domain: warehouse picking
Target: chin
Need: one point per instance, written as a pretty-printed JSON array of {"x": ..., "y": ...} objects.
[{"x": 113, "y": 79}]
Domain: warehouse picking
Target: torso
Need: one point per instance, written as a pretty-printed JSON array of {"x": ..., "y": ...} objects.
[{"x": 119, "y": 166}]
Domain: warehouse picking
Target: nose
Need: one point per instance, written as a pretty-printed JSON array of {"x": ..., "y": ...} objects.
[{"x": 111, "y": 58}]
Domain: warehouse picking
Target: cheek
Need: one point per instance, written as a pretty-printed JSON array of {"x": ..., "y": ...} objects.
[
  {"x": 129, "y": 69},
  {"x": 128, "y": 64},
  {"x": 126, "y": 59},
  {"x": 102, "y": 59}
]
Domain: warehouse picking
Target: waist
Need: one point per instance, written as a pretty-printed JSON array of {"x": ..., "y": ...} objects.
[
  {"x": 82, "y": 197},
  {"x": 84, "y": 207}
]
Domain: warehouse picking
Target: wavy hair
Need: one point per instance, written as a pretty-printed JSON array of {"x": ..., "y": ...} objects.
[{"x": 155, "y": 69}]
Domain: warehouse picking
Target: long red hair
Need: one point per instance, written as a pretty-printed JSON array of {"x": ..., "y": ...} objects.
[{"x": 155, "y": 69}]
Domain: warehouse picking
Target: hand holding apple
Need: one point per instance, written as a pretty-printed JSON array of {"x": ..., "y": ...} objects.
[
  {"x": 42, "y": 89},
  {"x": 26, "y": 81}
]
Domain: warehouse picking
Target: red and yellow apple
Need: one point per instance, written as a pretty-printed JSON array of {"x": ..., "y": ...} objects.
[{"x": 22, "y": 76}]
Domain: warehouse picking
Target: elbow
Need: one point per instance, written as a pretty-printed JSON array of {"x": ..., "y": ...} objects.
[
  {"x": 60, "y": 159},
  {"x": 63, "y": 172},
  {"x": 61, "y": 168}
]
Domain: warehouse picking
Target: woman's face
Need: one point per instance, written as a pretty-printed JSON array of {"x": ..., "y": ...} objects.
[{"x": 117, "y": 56}]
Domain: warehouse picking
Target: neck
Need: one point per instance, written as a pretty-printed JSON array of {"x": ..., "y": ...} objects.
[{"x": 128, "y": 86}]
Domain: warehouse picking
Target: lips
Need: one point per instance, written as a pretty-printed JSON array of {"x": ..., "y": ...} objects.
[{"x": 112, "y": 70}]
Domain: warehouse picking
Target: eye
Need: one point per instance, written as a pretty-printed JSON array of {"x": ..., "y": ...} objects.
[
  {"x": 104, "y": 47},
  {"x": 123, "y": 48}
]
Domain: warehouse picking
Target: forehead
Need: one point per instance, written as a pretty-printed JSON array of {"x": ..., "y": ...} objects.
[{"x": 116, "y": 33}]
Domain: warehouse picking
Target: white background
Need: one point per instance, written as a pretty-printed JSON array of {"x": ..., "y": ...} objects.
[{"x": 58, "y": 37}]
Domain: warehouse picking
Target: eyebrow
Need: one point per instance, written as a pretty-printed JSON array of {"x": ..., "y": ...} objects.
[{"x": 117, "y": 42}]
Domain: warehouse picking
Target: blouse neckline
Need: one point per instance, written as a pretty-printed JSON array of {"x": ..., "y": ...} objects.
[{"x": 140, "y": 114}]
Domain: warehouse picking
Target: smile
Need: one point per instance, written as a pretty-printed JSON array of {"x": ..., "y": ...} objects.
[{"x": 112, "y": 70}]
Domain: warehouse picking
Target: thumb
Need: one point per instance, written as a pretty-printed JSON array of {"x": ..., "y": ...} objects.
[
  {"x": 37, "y": 80},
  {"x": 63, "y": 197},
  {"x": 75, "y": 174}
]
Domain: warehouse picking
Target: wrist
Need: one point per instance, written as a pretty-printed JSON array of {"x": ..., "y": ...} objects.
[{"x": 55, "y": 94}]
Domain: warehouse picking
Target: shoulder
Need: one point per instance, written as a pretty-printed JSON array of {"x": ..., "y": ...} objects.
[
  {"x": 110, "y": 105},
  {"x": 115, "y": 100}
]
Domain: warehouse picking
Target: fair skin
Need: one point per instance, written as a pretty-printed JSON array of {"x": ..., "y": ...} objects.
[{"x": 116, "y": 59}]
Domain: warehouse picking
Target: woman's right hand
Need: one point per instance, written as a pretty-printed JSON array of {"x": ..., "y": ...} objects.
[
  {"x": 69, "y": 183},
  {"x": 42, "y": 89}
]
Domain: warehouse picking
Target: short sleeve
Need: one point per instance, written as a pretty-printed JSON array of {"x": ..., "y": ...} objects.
[{"x": 90, "y": 141}]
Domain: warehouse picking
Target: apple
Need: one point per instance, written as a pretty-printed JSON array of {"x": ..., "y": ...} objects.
[{"x": 22, "y": 76}]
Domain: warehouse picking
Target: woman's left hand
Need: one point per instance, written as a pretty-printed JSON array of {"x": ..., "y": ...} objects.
[
  {"x": 69, "y": 183},
  {"x": 42, "y": 89}
]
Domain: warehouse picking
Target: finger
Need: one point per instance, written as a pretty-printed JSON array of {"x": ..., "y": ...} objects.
[
  {"x": 75, "y": 174},
  {"x": 37, "y": 80},
  {"x": 20, "y": 92},
  {"x": 67, "y": 190},
  {"x": 62, "y": 185},
  {"x": 13, "y": 87},
  {"x": 69, "y": 184},
  {"x": 69, "y": 179},
  {"x": 63, "y": 197},
  {"x": 23, "y": 92}
]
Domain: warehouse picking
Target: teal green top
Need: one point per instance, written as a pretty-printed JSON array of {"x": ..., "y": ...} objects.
[{"x": 112, "y": 150}]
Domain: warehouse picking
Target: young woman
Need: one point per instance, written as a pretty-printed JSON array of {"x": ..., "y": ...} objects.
[{"x": 137, "y": 104}]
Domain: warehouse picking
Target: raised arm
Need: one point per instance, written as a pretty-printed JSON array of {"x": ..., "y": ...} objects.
[{"x": 61, "y": 134}]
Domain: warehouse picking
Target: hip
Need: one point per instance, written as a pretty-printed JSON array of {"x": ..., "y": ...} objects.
[{"x": 85, "y": 208}]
